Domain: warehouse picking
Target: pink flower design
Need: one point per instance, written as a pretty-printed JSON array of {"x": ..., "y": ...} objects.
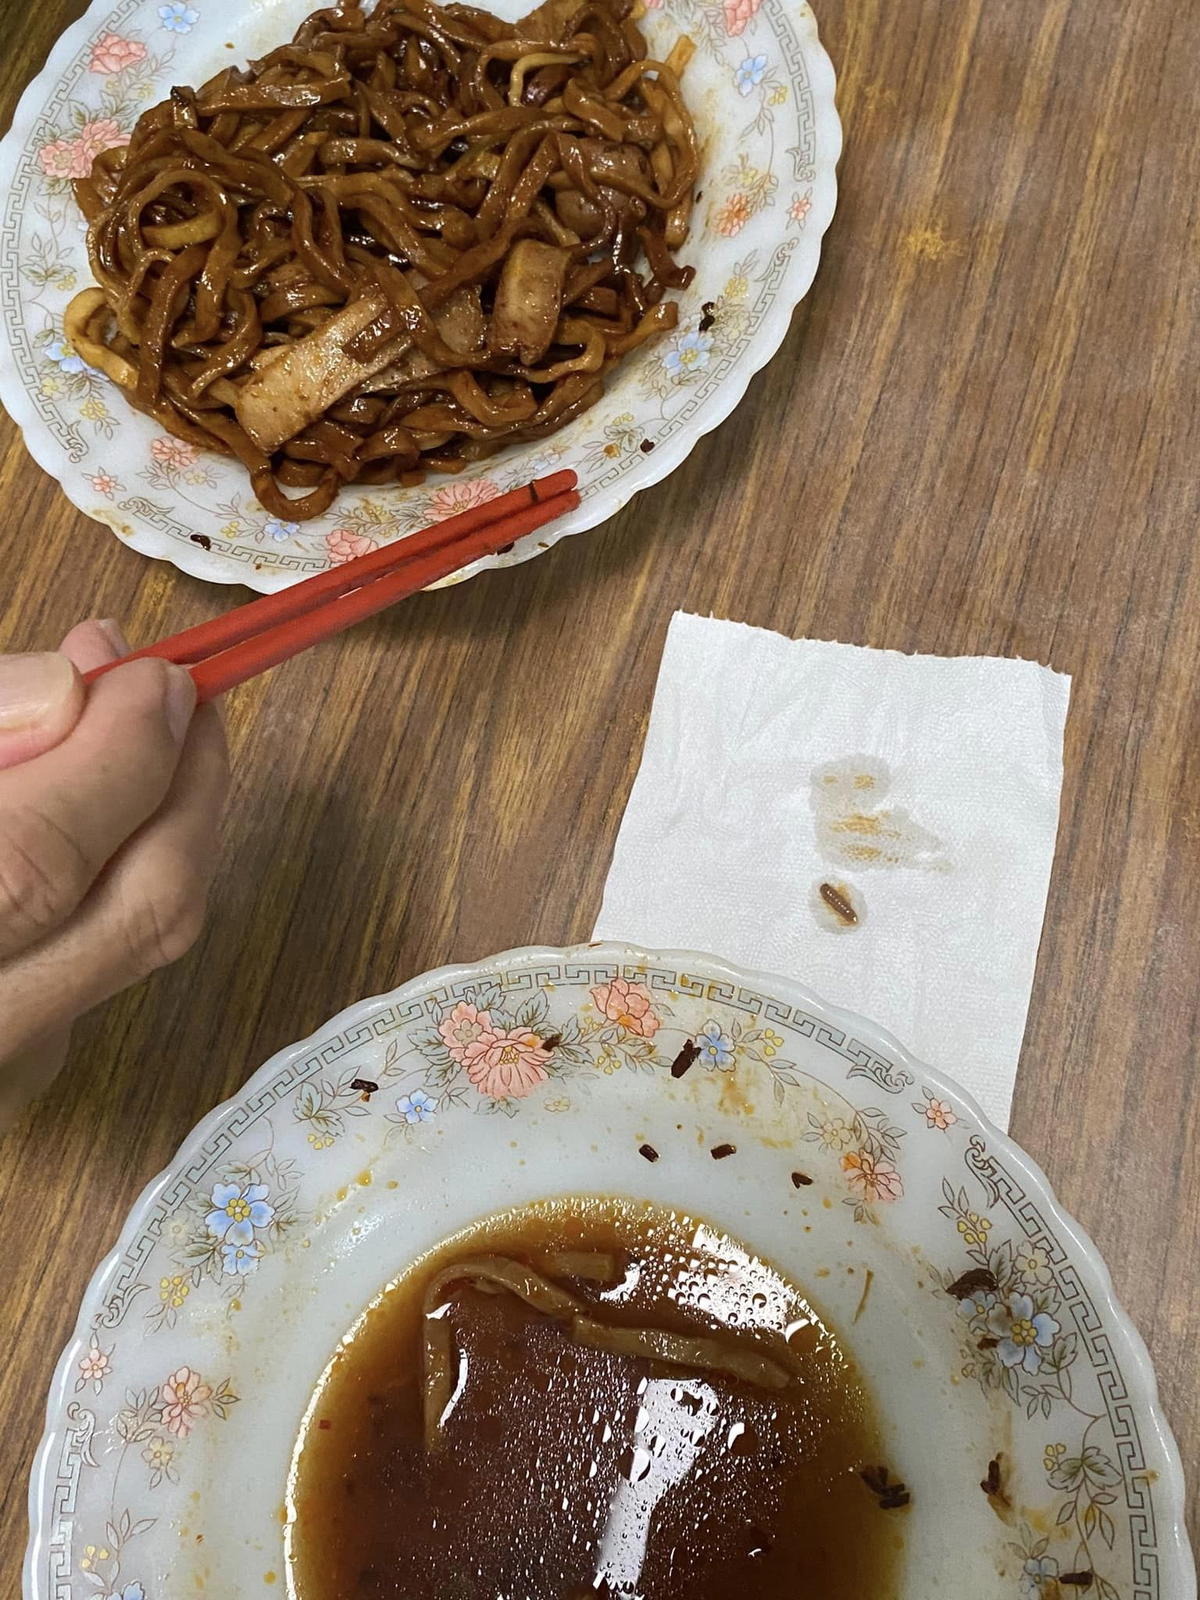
[
  {"x": 102, "y": 134},
  {"x": 344, "y": 544},
  {"x": 173, "y": 455},
  {"x": 94, "y": 1367},
  {"x": 874, "y": 1178},
  {"x": 738, "y": 13},
  {"x": 464, "y": 1027},
  {"x": 112, "y": 53},
  {"x": 506, "y": 1063},
  {"x": 734, "y": 215},
  {"x": 184, "y": 1399},
  {"x": 455, "y": 497},
  {"x": 939, "y": 1115},
  {"x": 628, "y": 1005},
  {"x": 800, "y": 207},
  {"x": 104, "y": 482},
  {"x": 65, "y": 158}
]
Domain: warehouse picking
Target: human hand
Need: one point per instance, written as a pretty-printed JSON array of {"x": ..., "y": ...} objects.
[{"x": 110, "y": 799}]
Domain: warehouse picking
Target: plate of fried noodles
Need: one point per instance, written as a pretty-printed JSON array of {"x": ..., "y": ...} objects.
[{"x": 281, "y": 285}]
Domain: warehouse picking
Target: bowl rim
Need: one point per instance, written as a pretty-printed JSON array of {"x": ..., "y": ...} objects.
[
  {"x": 1175, "y": 1547},
  {"x": 214, "y": 567}
]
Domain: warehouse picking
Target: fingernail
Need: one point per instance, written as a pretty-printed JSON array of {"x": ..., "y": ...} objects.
[
  {"x": 116, "y": 637},
  {"x": 33, "y": 688},
  {"x": 181, "y": 701}
]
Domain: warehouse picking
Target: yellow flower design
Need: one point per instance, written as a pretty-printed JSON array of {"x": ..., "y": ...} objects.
[
  {"x": 93, "y": 410},
  {"x": 173, "y": 1291},
  {"x": 836, "y": 1133},
  {"x": 974, "y": 1229},
  {"x": 778, "y": 95},
  {"x": 159, "y": 1454},
  {"x": 1053, "y": 1455}
]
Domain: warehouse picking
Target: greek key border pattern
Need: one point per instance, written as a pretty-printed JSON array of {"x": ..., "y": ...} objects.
[
  {"x": 1003, "y": 1188},
  {"x": 66, "y": 433},
  {"x": 1006, "y": 1189}
]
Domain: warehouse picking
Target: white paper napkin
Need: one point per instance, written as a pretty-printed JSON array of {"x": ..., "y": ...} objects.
[{"x": 923, "y": 791}]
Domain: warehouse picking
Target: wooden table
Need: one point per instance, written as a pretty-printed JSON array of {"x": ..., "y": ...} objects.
[{"x": 980, "y": 436}]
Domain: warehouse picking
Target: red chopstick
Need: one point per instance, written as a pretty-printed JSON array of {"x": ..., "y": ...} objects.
[{"x": 252, "y": 638}]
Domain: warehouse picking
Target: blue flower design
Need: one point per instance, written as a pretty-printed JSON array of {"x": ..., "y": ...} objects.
[
  {"x": 978, "y": 1304},
  {"x": 64, "y": 358},
  {"x": 178, "y": 17},
  {"x": 131, "y": 1591},
  {"x": 239, "y": 1259},
  {"x": 750, "y": 74},
  {"x": 279, "y": 531},
  {"x": 1036, "y": 1574},
  {"x": 237, "y": 1211},
  {"x": 1022, "y": 1333},
  {"x": 687, "y": 354},
  {"x": 716, "y": 1048},
  {"x": 417, "y": 1107}
]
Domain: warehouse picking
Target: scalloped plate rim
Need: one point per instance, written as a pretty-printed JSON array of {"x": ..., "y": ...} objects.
[
  {"x": 1172, "y": 1485},
  {"x": 213, "y": 567}
]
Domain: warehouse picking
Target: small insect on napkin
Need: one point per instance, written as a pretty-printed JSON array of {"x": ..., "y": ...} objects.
[{"x": 878, "y": 826}]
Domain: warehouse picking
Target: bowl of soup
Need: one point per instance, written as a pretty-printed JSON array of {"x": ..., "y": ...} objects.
[{"x": 603, "y": 1272}]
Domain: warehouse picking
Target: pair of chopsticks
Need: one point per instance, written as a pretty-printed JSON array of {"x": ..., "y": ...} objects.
[{"x": 254, "y": 637}]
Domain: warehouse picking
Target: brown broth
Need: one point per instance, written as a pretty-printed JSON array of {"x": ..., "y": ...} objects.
[{"x": 559, "y": 1471}]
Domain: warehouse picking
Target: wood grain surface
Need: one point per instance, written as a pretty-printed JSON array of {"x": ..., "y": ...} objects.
[{"x": 980, "y": 436}]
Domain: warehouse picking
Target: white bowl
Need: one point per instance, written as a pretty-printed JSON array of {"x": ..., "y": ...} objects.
[
  {"x": 761, "y": 88},
  {"x": 137, "y": 1493}
]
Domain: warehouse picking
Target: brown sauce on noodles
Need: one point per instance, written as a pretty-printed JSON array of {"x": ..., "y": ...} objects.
[
  {"x": 409, "y": 237},
  {"x": 586, "y": 1400}
]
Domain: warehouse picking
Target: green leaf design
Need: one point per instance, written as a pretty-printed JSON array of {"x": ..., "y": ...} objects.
[
  {"x": 568, "y": 1055},
  {"x": 1062, "y": 1352},
  {"x": 432, "y": 1045},
  {"x": 1002, "y": 1265},
  {"x": 531, "y": 1013},
  {"x": 223, "y": 1398},
  {"x": 484, "y": 996}
]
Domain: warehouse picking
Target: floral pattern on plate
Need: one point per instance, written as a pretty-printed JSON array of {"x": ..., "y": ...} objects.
[
  {"x": 762, "y": 90},
  {"x": 180, "y": 1329}
]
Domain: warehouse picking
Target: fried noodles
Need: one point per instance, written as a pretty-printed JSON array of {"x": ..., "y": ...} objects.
[{"x": 393, "y": 245}]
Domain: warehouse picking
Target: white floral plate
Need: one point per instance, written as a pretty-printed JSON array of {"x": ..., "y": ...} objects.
[
  {"x": 761, "y": 88},
  {"x": 982, "y": 1317}
]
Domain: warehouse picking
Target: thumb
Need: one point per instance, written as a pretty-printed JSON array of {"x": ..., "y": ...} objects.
[{"x": 41, "y": 698}]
